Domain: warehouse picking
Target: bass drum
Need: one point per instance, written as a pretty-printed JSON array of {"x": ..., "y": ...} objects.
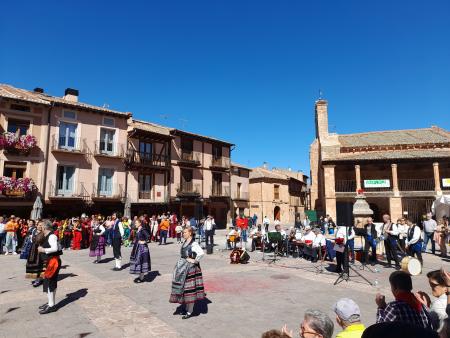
[{"x": 411, "y": 265}]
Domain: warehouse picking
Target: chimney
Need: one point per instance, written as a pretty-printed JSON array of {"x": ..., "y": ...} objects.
[
  {"x": 38, "y": 90},
  {"x": 321, "y": 118},
  {"x": 71, "y": 95},
  {"x": 265, "y": 165}
]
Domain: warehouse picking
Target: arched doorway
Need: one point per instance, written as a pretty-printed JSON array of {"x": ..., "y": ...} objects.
[{"x": 276, "y": 213}]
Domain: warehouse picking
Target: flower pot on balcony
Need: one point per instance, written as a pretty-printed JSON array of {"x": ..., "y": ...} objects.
[
  {"x": 17, "y": 151},
  {"x": 14, "y": 193}
]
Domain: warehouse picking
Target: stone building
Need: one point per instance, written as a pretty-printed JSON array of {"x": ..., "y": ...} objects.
[
  {"x": 401, "y": 172},
  {"x": 277, "y": 193},
  {"x": 240, "y": 198}
]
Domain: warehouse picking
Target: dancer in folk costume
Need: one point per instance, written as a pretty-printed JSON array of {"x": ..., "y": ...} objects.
[
  {"x": 140, "y": 262},
  {"x": 187, "y": 279},
  {"x": 77, "y": 234},
  {"x": 97, "y": 245}
]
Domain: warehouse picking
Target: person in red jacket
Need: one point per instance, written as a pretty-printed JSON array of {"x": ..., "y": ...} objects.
[{"x": 77, "y": 236}]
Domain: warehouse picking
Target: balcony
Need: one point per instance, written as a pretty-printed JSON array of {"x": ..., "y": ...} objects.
[
  {"x": 295, "y": 201},
  {"x": 416, "y": 184},
  {"x": 76, "y": 192},
  {"x": 188, "y": 189},
  {"x": 148, "y": 197},
  {"x": 75, "y": 145},
  {"x": 240, "y": 196},
  {"x": 116, "y": 195},
  {"x": 220, "y": 163},
  {"x": 345, "y": 186},
  {"x": 220, "y": 191},
  {"x": 115, "y": 150},
  {"x": 189, "y": 158},
  {"x": 136, "y": 160}
]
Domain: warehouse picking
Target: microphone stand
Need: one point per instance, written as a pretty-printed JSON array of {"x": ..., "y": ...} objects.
[{"x": 345, "y": 274}]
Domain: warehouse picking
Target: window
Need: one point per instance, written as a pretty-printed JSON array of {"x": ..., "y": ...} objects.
[
  {"x": 217, "y": 151},
  {"x": 108, "y": 121},
  {"x": 145, "y": 186},
  {"x": 186, "y": 180},
  {"x": 70, "y": 115},
  {"x": 145, "y": 148},
  {"x": 64, "y": 180},
  {"x": 276, "y": 192},
  {"x": 105, "y": 181},
  {"x": 67, "y": 135},
  {"x": 106, "y": 141},
  {"x": 18, "y": 126},
  {"x": 238, "y": 190},
  {"x": 14, "y": 169},
  {"x": 187, "y": 145},
  {"x": 217, "y": 184}
]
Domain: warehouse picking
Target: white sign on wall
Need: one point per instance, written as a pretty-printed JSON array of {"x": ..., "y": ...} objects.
[
  {"x": 446, "y": 182},
  {"x": 383, "y": 183}
]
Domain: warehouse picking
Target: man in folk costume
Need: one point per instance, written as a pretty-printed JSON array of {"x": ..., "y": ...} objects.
[
  {"x": 50, "y": 250},
  {"x": 414, "y": 242},
  {"x": 117, "y": 233},
  {"x": 390, "y": 232}
]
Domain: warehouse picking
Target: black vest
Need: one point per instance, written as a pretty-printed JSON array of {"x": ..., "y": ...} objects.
[
  {"x": 186, "y": 251},
  {"x": 46, "y": 245}
]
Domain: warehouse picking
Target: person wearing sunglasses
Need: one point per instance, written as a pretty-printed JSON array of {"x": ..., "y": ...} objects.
[
  {"x": 315, "y": 324},
  {"x": 439, "y": 291}
]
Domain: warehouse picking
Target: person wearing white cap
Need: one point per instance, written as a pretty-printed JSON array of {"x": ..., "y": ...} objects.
[{"x": 348, "y": 316}]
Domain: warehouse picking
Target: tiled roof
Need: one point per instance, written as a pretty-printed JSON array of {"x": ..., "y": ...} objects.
[
  {"x": 42, "y": 98},
  {"x": 150, "y": 127},
  {"x": 391, "y": 155},
  {"x": 237, "y": 165},
  {"x": 207, "y": 138},
  {"x": 260, "y": 172},
  {"x": 396, "y": 137}
]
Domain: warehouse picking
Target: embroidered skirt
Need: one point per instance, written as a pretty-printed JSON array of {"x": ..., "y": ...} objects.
[
  {"x": 97, "y": 247},
  {"x": 140, "y": 259},
  {"x": 35, "y": 265},
  {"x": 193, "y": 288}
]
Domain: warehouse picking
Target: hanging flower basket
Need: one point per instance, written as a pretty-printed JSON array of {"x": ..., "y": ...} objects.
[
  {"x": 17, "y": 187},
  {"x": 15, "y": 144}
]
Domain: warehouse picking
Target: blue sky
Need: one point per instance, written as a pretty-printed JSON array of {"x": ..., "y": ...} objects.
[{"x": 243, "y": 71}]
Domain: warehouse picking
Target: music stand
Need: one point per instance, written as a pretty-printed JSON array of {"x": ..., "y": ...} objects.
[
  {"x": 345, "y": 274},
  {"x": 274, "y": 241}
]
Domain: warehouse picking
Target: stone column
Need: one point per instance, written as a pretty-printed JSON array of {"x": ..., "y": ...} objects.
[
  {"x": 358, "y": 177},
  {"x": 437, "y": 179},
  {"x": 395, "y": 180},
  {"x": 330, "y": 190}
]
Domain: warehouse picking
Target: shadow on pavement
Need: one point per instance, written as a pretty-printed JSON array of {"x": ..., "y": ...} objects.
[
  {"x": 106, "y": 260},
  {"x": 72, "y": 297},
  {"x": 125, "y": 266},
  {"x": 201, "y": 307},
  {"x": 150, "y": 277},
  {"x": 66, "y": 275}
]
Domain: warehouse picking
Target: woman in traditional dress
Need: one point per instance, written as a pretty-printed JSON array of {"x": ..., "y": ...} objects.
[
  {"x": 77, "y": 236},
  {"x": 140, "y": 262},
  {"x": 97, "y": 245},
  {"x": 187, "y": 279},
  {"x": 34, "y": 266}
]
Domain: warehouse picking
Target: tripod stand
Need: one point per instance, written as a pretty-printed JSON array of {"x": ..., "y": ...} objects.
[{"x": 345, "y": 274}]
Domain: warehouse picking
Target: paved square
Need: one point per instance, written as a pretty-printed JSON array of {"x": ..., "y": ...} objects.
[{"x": 242, "y": 300}]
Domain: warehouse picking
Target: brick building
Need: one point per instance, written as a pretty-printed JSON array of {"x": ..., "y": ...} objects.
[
  {"x": 401, "y": 171},
  {"x": 277, "y": 193}
]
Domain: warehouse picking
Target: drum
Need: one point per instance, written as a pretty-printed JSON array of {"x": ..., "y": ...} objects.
[{"x": 411, "y": 265}]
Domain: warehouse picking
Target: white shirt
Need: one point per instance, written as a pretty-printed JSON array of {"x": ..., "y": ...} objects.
[
  {"x": 437, "y": 310},
  {"x": 416, "y": 236},
  {"x": 394, "y": 229},
  {"x": 53, "y": 242},
  {"x": 198, "y": 250},
  {"x": 2, "y": 228},
  {"x": 319, "y": 241},
  {"x": 310, "y": 236},
  {"x": 402, "y": 230},
  {"x": 298, "y": 235},
  {"x": 341, "y": 233},
  {"x": 254, "y": 231},
  {"x": 102, "y": 229},
  {"x": 429, "y": 225},
  {"x": 266, "y": 220},
  {"x": 276, "y": 222},
  {"x": 209, "y": 224}
]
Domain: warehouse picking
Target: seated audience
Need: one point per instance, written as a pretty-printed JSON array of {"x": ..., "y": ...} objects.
[
  {"x": 315, "y": 324},
  {"x": 348, "y": 316}
]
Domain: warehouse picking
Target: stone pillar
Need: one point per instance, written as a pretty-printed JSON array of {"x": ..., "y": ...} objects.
[
  {"x": 395, "y": 180},
  {"x": 437, "y": 179},
  {"x": 395, "y": 208},
  {"x": 361, "y": 210},
  {"x": 358, "y": 177},
  {"x": 330, "y": 190}
]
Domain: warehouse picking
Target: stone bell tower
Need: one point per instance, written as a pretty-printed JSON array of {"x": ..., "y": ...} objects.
[{"x": 321, "y": 118}]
